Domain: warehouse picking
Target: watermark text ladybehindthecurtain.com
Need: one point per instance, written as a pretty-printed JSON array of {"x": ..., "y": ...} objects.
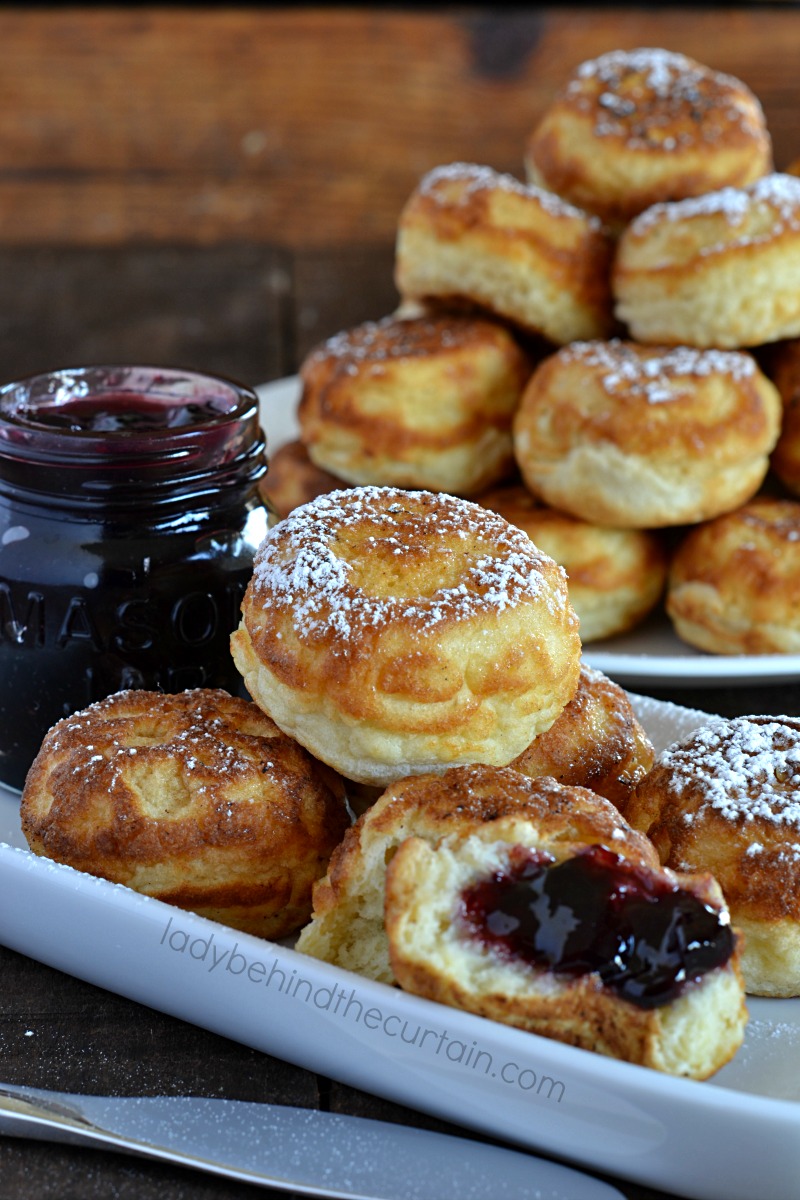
[{"x": 347, "y": 1005}]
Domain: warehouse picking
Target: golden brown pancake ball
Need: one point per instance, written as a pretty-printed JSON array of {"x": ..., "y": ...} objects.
[
  {"x": 615, "y": 576},
  {"x": 644, "y": 437},
  {"x": 293, "y": 479},
  {"x": 450, "y": 942},
  {"x": 195, "y": 798},
  {"x": 783, "y": 368},
  {"x": 632, "y": 128},
  {"x": 597, "y": 743},
  {"x": 725, "y": 799},
  {"x": 722, "y": 269},
  {"x": 395, "y": 632},
  {"x": 734, "y": 582},
  {"x": 422, "y": 402},
  {"x": 469, "y": 234}
]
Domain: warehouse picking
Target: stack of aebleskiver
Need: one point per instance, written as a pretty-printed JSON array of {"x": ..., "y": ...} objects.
[{"x": 644, "y": 267}]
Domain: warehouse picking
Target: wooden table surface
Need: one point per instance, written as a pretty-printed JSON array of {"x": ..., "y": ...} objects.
[{"x": 218, "y": 188}]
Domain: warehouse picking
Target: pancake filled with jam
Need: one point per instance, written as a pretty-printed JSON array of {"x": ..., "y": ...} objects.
[{"x": 587, "y": 941}]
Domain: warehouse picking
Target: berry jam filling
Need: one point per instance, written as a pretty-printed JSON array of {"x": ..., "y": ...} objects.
[
  {"x": 645, "y": 937},
  {"x": 125, "y": 411}
]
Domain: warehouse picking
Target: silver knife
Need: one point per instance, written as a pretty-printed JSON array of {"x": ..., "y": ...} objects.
[{"x": 294, "y": 1149}]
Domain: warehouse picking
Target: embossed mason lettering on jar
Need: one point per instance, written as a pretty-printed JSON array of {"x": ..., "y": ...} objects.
[{"x": 129, "y": 517}]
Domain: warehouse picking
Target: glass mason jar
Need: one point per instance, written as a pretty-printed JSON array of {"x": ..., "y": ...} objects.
[{"x": 129, "y": 517}]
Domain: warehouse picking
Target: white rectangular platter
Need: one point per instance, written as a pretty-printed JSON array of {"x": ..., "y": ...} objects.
[{"x": 736, "y": 1136}]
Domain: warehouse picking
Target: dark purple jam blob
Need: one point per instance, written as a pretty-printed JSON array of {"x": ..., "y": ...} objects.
[
  {"x": 123, "y": 412},
  {"x": 645, "y": 937}
]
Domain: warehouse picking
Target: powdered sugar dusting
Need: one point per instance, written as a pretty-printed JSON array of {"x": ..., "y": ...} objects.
[
  {"x": 654, "y": 375},
  {"x": 663, "y": 70},
  {"x": 780, "y": 194},
  {"x": 476, "y": 178},
  {"x": 202, "y": 729},
  {"x": 657, "y": 99},
  {"x": 392, "y": 337},
  {"x": 303, "y": 562},
  {"x": 748, "y": 769}
]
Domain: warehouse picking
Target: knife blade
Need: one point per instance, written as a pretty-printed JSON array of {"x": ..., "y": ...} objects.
[{"x": 303, "y": 1150}]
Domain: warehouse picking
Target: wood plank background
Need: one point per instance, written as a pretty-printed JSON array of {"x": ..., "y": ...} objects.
[
  {"x": 304, "y": 127},
  {"x": 178, "y": 184}
]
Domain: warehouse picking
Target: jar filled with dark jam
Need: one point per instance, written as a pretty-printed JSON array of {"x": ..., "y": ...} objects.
[{"x": 129, "y": 517}]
